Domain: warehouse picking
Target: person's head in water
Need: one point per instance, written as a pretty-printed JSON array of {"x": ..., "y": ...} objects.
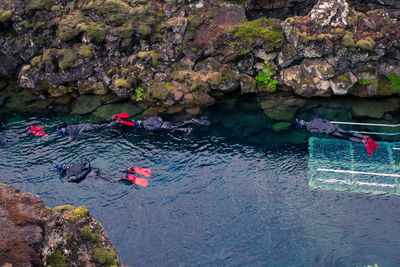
[
  {"x": 61, "y": 132},
  {"x": 300, "y": 123}
]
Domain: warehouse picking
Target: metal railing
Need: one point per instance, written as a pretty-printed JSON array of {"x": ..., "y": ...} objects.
[{"x": 385, "y": 126}]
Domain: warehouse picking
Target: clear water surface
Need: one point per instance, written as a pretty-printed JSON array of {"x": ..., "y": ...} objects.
[{"x": 218, "y": 197}]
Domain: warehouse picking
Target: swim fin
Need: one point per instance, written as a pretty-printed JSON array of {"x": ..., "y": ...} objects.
[
  {"x": 142, "y": 171},
  {"x": 136, "y": 180},
  {"x": 371, "y": 146}
]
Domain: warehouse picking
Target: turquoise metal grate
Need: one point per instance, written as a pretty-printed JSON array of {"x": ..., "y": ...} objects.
[{"x": 336, "y": 164}]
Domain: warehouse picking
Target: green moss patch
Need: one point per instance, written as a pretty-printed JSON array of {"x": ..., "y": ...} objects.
[
  {"x": 70, "y": 28},
  {"x": 122, "y": 83},
  {"x": 85, "y": 51},
  {"x": 5, "y": 16},
  {"x": 32, "y": 5},
  {"x": 56, "y": 259},
  {"x": 72, "y": 214},
  {"x": 68, "y": 58},
  {"x": 268, "y": 29},
  {"x": 366, "y": 44},
  {"x": 86, "y": 234},
  {"x": 160, "y": 90},
  {"x": 104, "y": 256},
  {"x": 155, "y": 57}
]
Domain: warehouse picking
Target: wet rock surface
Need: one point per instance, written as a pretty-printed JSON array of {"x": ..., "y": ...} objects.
[
  {"x": 175, "y": 55},
  {"x": 33, "y": 235}
]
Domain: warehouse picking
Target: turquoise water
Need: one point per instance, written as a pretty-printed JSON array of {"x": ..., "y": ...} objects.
[{"x": 232, "y": 194}]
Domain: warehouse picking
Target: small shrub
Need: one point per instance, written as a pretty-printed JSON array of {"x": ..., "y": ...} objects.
[
  {"x": 394, "y": 81},
  {"x": 139, "y": 93},
  {"x": 264, "y": 77}
]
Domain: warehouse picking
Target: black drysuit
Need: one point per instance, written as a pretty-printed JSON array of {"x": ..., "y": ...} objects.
[
  {"x": 75, "y": 129},
  {"x": 321, "y": 126},
  {"x": 157, "y": 123},
  {"x": 82, "y": 170}
]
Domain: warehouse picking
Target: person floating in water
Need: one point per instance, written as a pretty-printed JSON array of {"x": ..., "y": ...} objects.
[
  {"x": 157, "y": 124},
  {"x": 82, "y": 170},
  {"x": 30, "y": 130},
  {"x": 151, "y": 124},
  {"x": 322, "y": 126}
]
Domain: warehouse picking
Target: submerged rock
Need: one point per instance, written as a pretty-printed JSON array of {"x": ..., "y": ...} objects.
[{"x": 33, "y": 235}]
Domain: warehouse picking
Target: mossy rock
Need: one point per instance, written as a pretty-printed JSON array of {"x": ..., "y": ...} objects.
[
  {"x": 278, "y": 112},
  {"x": 373, "y": 108},
  {"x": 56, "y": 259},
  {"x": 5, "y": 16},
  {"x": 33, "y": 5},
  {"x": 86, "y": 234},
  {"x": 115, "y": 12},
  {"x": 70, "y": 27},
  {"x": 122, "y": 83},
  {"x": 160, "y": 90},
  {"x": 85, "y": 51},
  {"x": 85, "y": 104},
  {"x": 281, "y": 126},
  {"x": 96, "y": 32},
  {"x": 366, "y": 44},
  {"x": 106, "y": 111},
  {"x": 348, "y": 40},
  {"x": 104, "y": 256},
  {"x": 155, "y": 56},
  {"x": 268, "y": 30},
  {"x": 67, "y": 58},
  {"x": 64, "y": 208}
]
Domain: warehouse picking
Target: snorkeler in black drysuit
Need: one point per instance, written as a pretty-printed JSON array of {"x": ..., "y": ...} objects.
[
  {"x": 151, "y": 124},
  {"x": 157, "y": 123},
  {"x": 82, "y": 170},
  {"x": 322, "y": 126},
  {"x": 75, "y": 129}
]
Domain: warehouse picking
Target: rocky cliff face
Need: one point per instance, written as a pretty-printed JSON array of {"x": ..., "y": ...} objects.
[
  {"x": 175, "y": 55},
  {"x": 33, "y": 235}
]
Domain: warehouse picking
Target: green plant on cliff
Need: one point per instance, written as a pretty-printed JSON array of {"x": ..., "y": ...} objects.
[
  {"x": 394, "y": 81},
  {"x": 264, "y": 77},
  {"x": 139, "y": 93}
]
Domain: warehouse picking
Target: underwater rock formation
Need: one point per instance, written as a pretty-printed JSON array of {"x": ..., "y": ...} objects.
[{"x": 33, "y": 235}]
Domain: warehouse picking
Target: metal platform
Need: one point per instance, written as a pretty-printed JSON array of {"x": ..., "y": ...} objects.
[{"x": 336, "y": 164}]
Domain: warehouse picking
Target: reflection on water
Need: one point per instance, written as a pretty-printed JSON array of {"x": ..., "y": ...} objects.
[{"x": 235, "y": 193}]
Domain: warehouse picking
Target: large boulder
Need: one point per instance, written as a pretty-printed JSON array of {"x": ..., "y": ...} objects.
[{"x": 33, "y": 235}]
